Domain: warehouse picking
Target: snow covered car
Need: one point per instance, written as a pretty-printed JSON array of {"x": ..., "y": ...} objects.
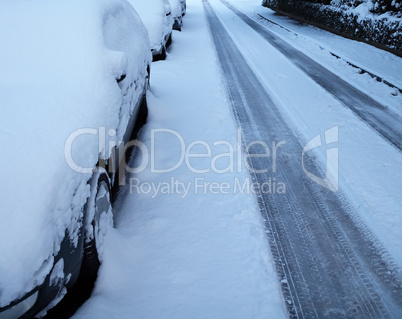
[
  {"x": 157, "y": 17},
  {"x": 74, "y": 75},
  {"x": 177, "y": 14},
  {"x": 183, "y": 7}
]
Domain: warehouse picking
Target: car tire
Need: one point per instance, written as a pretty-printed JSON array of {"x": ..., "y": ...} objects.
[
  {"x": 99, "y": 218},
  {"x": 169, "y": 40},
  {"x": 160, "y": 56},
  {"x": 163, "y": 54},
  {"x": 142, "y": 115}
]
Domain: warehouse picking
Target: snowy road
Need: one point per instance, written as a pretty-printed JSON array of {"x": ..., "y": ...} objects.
[
  {"x": 321, "y": 236},
  {"x": 383, "y": 120},
  {"x": 329, "y": 264}
]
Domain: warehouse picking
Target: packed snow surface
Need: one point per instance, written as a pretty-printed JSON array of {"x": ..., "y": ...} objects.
[{"x": 370, "y": 169}]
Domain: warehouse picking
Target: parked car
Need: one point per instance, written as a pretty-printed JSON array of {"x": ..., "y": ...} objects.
[
  {"x": 157, "y": 17},
  {"x": 183, "y": 7},
  {"x": 74, "y": 75},
  {"x": 177, "y": 14}
]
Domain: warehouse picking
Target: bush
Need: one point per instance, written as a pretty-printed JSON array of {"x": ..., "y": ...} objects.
[{"x": 339, "y": 17}]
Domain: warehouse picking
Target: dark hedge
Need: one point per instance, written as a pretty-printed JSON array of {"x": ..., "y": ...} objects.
[{"x": 380, "y": 32}]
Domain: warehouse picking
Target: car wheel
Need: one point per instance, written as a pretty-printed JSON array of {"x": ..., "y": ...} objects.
[
  {"x": 160, "y": 56},
  {"x": 142, "y": 115},
  {"x": 99, "y": 218},
  {"x": 163, "y": 54}
]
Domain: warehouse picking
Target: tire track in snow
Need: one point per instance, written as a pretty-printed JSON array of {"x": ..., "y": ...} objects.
[{"x": 328, "y": 263}]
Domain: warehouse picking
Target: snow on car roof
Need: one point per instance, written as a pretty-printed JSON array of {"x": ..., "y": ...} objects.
[{"x": 58, "y": 62}]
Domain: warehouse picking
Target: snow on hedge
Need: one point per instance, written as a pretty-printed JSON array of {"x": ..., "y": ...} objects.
[{"x": 373, "y": 21}]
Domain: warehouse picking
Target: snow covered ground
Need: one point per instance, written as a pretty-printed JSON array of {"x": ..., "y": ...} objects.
[
  {"x": 370, "y": 169},
  {"x": 183, "y": 248},
  {"x": 195, "y": 256},
  {"x": 319, "y": 44}
]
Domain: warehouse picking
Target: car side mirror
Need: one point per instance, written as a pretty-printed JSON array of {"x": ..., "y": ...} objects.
[{"x": 121, "y": 78}]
